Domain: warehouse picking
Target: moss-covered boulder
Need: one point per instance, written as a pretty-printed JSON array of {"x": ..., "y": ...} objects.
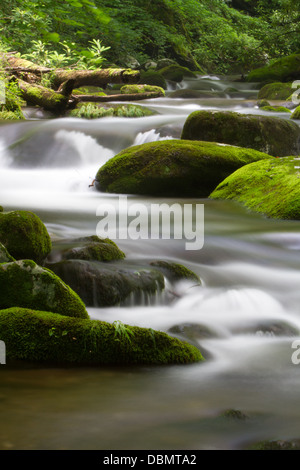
[
  {"x": 257, "y": 132},
  {"x": 296, "y": 113},
  {"x": 44, "y": 337},
  {"x": 276, "y": 91},
  {"x": 25, "y": 284},
  {"x": 175, "y": 271},
  {"x": 5, "y": 257},
  {"x": 176, "y": 73},
  {"x": 172, "y": 168},
  {"x": 105, "y": 285},
  {"x": 282, "y": 70},
  {"x": 270, "y": 187},
  {"x": 154, "y": 78},
  {"x": 24, "y": 235},
  {"x": 91, "y": 249},
  {"x": 135, "y": 89}
]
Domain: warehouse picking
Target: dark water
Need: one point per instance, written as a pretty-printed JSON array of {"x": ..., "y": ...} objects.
[{"x": 244, "y": 317}]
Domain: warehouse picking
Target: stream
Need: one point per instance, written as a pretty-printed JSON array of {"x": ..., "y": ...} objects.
[{"x": 244, "y": 317}]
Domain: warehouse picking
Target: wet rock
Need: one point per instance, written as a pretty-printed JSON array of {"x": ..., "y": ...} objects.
[
  {"x": 172, "y": 168},
  {"x": 175, "y": 272},
  {"x": 276, "y": 91},
  {"x": 102, "y": 285},
  {"x": 25, "y": 284},
  {"x": 248, "y": 131}
]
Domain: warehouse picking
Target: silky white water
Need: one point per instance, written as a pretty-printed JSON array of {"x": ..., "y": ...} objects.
[{"x": 244, "y": 316}]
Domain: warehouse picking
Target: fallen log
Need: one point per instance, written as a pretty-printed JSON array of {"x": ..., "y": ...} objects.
[
  {"x": 46, "y": 98},
  {"x": 95, "y": 77},
  {"x": 119, "y": 97}
]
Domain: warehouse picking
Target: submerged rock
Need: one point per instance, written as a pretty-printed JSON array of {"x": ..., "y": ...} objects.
[
  {"x": 45, "y": 337},
  {"x": 172, "y": 168},
  {"x": 249, "y": 131},
  {"x": 24, "y": 235},
  {"x": 103, "y": 285},
  {"x": 25, "y": 284},
  {"x": 270, "y": 187}
]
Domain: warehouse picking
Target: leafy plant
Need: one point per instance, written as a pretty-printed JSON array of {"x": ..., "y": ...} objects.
[{"x": 122, "y": 332}]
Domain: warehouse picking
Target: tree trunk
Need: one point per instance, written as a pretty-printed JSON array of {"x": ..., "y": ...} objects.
[
  {"x": 95, "y": 77},
  {"x": 44, "y": 97}
]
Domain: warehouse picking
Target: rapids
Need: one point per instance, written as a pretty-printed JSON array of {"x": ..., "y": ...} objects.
[{"x": 244, "y": 317}]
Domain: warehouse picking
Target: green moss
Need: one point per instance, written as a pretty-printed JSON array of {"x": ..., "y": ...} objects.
[
  {"x": 24, "y": 235},
  {"x": 296, "y": 113},
  {"x": 176, "y": 73},
  {"x": 276, "y": 445},
  {"x": 154, "y": 78},
  {"x": 262, "y": 103},
  {"x": 275, "y": 91},
  {"x": 25, "y": 284},
  {"x": 11, "y": 115},
  {"x": 93, "y": 111},
  {"x": 282, "y": 70},
  {"x": 270, "y": 187},
  {"x": 276, "y": 109},
  {"x": 249, "y": 131},
  {"x": 98, "y": 250},
  {"x": 135, "y": 89},
  {"x": 5, "y": 257},
  {"x": 175, "y": 271},
  {"x": 172, "y": 168},
  {"x": 43, "y": 337}
]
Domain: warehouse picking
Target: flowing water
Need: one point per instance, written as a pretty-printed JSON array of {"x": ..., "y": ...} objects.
[{"x": 244, "y": 317}]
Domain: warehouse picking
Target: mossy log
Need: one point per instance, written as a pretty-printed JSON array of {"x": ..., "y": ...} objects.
[
  {"x": 95, "y": 77},
  {"x": 118, "y": 97},
  {"x": 44, "y": 97}
]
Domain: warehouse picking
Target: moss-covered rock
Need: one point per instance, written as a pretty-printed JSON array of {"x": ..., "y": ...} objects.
[
  {"x": 296, "y": 113},
  {"x": 175, "y": 272},
  {"x": 25, "y": 284},
  {"x": 92, "y": 249},
  {"x": 172, "y": 168},
  {"x": 104, "y": 285},
  {"x": 275, "y": 109},
  {"x": 24, "y": 235},
  {"x": 249, "y": 131},
  {"x": 262, "y": 103},
  {"x": 176, "y": 73},
  {"x": 276, "y": 91},
  {"x": 187, "y": 93},
  {"x": 154, "y": 78},
  {"x": 43, "y": 337},
  {"x": 5, "y": 257},
  {"x": 135, "y": 89},
  {"x": 282, "y": 70},
  {"x": 270, "y": 187}
]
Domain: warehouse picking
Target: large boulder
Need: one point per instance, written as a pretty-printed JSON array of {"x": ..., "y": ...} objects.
[
  {"x": 24, "y": 235},
  {"x": 25, "y": 284},
  {"x": 276, "y": 91},
  {"x": 172, "y": 168},
  {"x": 271, "y": 135},
  {"x": 282, "y": 70},
  {"x": 270, "y": 187},
  {"x": 176, "y": 73},
  {"x": 105, "y": 285},
  {"x": 44, "y": 337}
]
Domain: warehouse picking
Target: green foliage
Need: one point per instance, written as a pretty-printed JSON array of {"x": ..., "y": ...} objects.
[{"x": 92, "y": 111}]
